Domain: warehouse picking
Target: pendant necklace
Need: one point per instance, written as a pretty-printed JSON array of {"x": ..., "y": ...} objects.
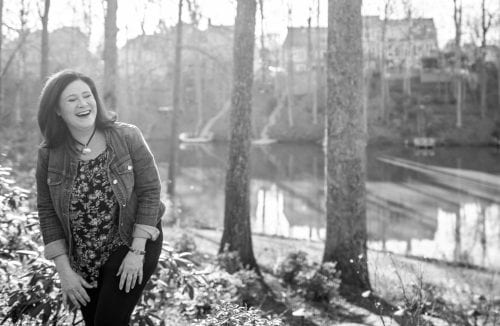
[{"x": 85, "y": 147}]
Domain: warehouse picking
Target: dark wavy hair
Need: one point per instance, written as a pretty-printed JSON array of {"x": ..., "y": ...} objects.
[{"x": 54, "y": 130}]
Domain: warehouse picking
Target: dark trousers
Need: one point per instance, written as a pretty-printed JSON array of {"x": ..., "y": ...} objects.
[{"x": 108, "y": 304}]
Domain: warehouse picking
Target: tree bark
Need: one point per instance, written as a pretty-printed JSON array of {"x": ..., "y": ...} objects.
[
  {"x": 110, "y": 55},
  {"x": 237, "y": 230},
  {"x": 176, "y": 96},
  {"x": 457, "y": 18},
  {"x": 44, "y": 60},
  {"x": 345, "y": 160},
  {"x": 383, "y": 81},
  {"x": 1, "y": 57},
  {"x": 486, "y": 20}
]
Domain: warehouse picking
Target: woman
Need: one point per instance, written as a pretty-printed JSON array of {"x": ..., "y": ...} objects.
[{"x": 99, "y": 205}]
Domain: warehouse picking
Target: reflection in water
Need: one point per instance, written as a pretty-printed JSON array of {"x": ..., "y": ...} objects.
[{"x": 443, "y": 206}]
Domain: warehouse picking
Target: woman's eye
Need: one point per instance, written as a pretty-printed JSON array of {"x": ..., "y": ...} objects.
[
  {"x": 87, "y": 95},
  {"x": 71, "y": 99}
]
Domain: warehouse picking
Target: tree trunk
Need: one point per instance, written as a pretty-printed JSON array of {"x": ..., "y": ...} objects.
[
  {"x": 237, "y": 230},
  {"x": 176, "y": 96},
  {"x": 383, "y": 81},
  {"x": 318, "y": 63},
  {"x": 110, "y": 55},
  {"x": 482, "y": 85},
  {"x": 290, "y": 83},
  {"x": 44, "y": 61},
  {"x": 409, "y": 57},
  {"x": 345, "y": 160},
  {"x": 1, "y": 57},
  {"x": 457, "y": 18}
]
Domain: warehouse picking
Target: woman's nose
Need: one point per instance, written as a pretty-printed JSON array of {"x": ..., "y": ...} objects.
[{"x": 82, "y": 102}]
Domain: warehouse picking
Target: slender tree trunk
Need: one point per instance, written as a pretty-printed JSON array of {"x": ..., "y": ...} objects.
[
  {"x": 44, "y": 61},
  {"x": 309, "y": 52},
  {"x": 1, "y": 59},
  {"x": 291, "y": 70},
  {"x": 237, "y": 230},
  {"x": 176, "y": 96},
  {"x": 409, "y": 57},
  {"x": 346, "y": 233},
  {"x": 263, "y": 55},
  {"x": 318, "y": 64},
  {"x": 383, "y": 81},
  {"x": 110, "y": 54},
  {"x": 486, "y": 21},
  {"x": 457, "y": 19}
]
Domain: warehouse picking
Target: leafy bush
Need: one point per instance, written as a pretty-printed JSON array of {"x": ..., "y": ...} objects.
[
  {"x": 175, "y": 277},
  {"x": 185, "y": 244},
  {"x": 320, "y": 285},
  {"x": 314, "y": 283},
  {"x": 229, "y": 314},
  {"x": 250, "y": 287},
  {"x": 30, "y": 292},
  {"x": 229, "y": 261},
  {"x": 288, "y": 269}
]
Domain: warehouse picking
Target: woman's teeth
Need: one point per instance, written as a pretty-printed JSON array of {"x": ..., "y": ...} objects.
[{"x": 83, "y": 114}]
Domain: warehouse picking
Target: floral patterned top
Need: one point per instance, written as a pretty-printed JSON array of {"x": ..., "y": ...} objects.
[{"x": 93, "y": 218}]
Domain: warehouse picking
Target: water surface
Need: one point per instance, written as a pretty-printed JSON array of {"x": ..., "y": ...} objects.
[{"x": 442, "y": 204}]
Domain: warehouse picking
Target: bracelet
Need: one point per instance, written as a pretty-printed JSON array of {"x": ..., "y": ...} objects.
[{"x": 137, "y": 251}]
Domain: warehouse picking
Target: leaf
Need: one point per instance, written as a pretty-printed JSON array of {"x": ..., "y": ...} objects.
[
  {"x": 47, "y": 311},
  {"x": 149, "y": 321},
  {"x": 27, "y": 252},
  {"x": 36, "y": 310}
]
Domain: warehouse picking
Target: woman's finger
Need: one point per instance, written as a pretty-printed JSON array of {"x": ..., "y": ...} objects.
[
  {"x": 122, "y": 281},
  {"x": 85, "y": 283},
  {"x": 134, "y": 280},
  {"x": 120, "y": 270},
  {"x": 140, "y": 277},
  {"x": 128, "y": 283},
  {"x": 80, "y": 298},
  {"x": 74, "y": 300},
  {"x": 83, "y": 294},
  {"x": 65, "y": 299}
]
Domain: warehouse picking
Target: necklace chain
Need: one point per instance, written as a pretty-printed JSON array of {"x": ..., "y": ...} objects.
[{"x": 86, "y": 149}]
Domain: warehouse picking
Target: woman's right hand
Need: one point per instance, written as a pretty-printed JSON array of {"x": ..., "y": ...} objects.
[{"x": 73, "y": 288}]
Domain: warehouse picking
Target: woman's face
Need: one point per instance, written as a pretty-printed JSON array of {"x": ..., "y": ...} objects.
[{"x": 77, "y": 106}]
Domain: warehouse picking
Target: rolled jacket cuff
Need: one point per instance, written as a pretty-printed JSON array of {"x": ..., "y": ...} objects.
[
  {"x": 55, "y": 248},
  {"x": 145, "y": 231}
]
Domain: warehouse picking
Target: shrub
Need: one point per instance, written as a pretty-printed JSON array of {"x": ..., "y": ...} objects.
[
  {"x": 229, "y": 314},
  {"x": 320, "y": 285},
  {"x": 229, "y": 261},
  {"x": 314, "y": 283},
  {"x": 185, "y": 244},
  {"x": 250, "y": 288},
  {"x": 288, "y": 269}
]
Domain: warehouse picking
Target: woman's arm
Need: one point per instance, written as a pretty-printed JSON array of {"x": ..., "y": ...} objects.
[
  {"x": 52, "y": 230},
  {"x": 146, "y": 180}
]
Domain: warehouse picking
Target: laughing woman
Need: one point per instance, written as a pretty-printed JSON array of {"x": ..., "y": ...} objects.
[{"x": 99, "y": 205}]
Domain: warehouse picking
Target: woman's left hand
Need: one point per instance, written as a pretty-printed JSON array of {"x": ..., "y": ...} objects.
[{"x": 131, "y": 271}]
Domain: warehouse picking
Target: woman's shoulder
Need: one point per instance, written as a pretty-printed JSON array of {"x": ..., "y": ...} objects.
[{"x": 125, "y": 128}]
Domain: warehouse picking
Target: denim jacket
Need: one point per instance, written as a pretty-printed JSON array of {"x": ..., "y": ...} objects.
[{"x": 133, "y": 177}]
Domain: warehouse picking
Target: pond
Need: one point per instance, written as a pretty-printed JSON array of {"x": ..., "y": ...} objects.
[{"x": 442, "y": 204}]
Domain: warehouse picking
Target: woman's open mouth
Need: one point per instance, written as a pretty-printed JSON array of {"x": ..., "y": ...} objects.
[{"x": 83, "y": 113}]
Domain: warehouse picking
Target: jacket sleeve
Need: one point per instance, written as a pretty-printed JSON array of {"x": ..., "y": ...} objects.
[
  {"x": 147, "y": 184},
  {"x": 50, "y": 225}
]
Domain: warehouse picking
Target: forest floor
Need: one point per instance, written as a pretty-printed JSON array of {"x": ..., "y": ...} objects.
[{"x": 406, "y": 291}]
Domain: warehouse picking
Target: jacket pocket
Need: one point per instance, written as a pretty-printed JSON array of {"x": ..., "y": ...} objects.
[
  {"x": 55, "y": 185},
  {"x": 54, "y": 178},
  {"x": 125, "y": 174}
]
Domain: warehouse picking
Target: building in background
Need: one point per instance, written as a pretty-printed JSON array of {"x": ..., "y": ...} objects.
[{"x": 303, "y": 45}]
